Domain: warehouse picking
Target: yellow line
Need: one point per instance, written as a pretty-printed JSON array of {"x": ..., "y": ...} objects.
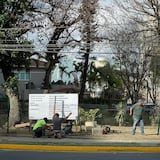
[{"x": 79, "y": 148}]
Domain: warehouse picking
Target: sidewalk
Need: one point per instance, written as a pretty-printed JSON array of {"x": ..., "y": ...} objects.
[{"x": 120, "y": 140}]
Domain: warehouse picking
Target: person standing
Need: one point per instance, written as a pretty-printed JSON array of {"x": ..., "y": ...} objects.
[
  {"x": 68, "y": 128},
  {"x": 136, "y": 112}
]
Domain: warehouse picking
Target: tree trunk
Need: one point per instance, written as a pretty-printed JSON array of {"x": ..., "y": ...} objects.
[
  {"x": 14, "y": 114},
  {"x": 50, "y": 66},
  {"x": 47, "y": 84},
  {"x": 84, "y": 78},
  {"x": 7, "y": 71},
  {"x": 88, "y": 33}
]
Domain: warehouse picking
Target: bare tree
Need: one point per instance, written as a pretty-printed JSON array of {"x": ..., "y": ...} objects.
[
  {"x": 64, "y": 18},
  {"x": 146, "y": 14},
  {"x": 58, "y": 21},
  {"x": 130, "y": 52}
]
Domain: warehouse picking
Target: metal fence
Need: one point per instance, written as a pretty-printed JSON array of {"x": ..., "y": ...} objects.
[{"x": 108, "y": 114}]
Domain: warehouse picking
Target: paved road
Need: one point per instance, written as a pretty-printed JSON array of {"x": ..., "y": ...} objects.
[{"x": 41, "y": 155}]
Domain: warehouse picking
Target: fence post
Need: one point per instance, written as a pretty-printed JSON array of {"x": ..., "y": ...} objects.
[{"x": 158, "y": 125}]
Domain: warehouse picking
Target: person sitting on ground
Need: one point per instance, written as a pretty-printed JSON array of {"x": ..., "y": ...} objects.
[
  {"x": 57, "y": 122},
  {"x": 68, "y": 128},
  {"x": 39, "y": 127}
]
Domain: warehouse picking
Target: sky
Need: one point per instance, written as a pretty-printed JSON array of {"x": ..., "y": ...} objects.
[{"x": 106, "y": 2}]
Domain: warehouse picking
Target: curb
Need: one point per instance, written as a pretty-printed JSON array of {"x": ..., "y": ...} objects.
[{"x": 80, "y": 148}]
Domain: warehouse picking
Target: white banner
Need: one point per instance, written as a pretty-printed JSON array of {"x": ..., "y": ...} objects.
[{"x": 46, "y": 105}]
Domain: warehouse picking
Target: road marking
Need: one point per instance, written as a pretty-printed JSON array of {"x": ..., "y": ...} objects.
[{"x": 80, "y": 148}]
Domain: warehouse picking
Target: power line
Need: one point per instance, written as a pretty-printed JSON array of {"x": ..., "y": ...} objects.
[
  {"x": 67, "y": 52},
  {"x": 78, "y": 44},
  {"x": 63, "y": 27},
  {"x": 29, "y": 50},
  {"x": 15, "y": 45}
]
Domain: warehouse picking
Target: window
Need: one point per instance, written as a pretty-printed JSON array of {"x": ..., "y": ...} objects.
[{"x": 23, "y": 75}]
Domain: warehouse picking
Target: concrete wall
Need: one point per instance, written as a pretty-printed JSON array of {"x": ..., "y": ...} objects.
[{"x": 36, "y": 77}]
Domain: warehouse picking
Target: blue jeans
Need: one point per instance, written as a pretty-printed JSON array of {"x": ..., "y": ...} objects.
[{"x": 135, "y": 122}]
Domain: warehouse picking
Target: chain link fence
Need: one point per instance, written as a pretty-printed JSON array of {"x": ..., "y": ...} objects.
[{"x": 108, "y": 114}]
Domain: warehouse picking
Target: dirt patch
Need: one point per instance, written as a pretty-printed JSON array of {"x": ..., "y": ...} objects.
[{"x": 125, "y": 133}]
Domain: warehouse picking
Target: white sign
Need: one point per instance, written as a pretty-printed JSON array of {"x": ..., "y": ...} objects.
[{"x": 46, "y": 105}]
